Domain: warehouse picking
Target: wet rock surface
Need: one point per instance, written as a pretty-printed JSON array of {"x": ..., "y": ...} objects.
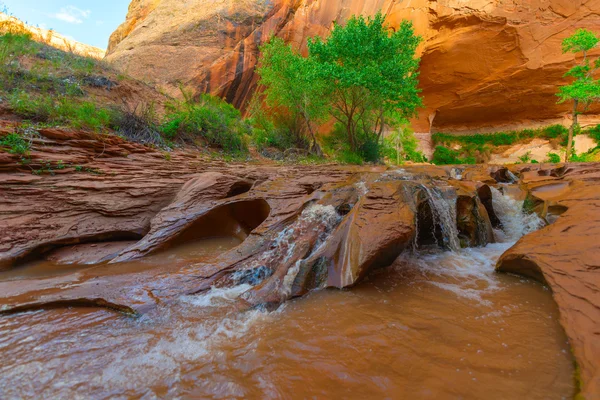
[
  {"x": 282, "y": 230},
  {"x": 566, "y": 256}
]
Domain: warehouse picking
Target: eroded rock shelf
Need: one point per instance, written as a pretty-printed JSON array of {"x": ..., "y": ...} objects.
[{"x": 285, "y": 230}]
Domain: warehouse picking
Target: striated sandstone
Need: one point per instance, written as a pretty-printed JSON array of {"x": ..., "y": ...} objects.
[
  {"x": 566, "y": 256},
  {"x": 296, "y": 228},
  {"x": 485, "y": 64}
]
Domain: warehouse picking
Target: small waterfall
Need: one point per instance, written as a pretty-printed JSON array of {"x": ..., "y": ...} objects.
[
  {"x": 512, "y": 176},
  {"x": 515, "y": 222},
  {"x": 443, "y": 212}
]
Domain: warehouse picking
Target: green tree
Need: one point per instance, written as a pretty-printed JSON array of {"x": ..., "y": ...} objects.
[
  {"x": 402, "y": 145},
  {"x": 585, "y": 89},
  {"x": 371, "y": 75},
  {"x": 291, "y": 82}
]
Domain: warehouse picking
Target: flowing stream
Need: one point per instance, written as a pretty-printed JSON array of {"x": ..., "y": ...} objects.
[{"x": 437, "y": 324}]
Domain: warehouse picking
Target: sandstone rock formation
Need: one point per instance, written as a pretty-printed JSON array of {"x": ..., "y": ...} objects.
[
  {"x": 49, "y": 37},
  {"x": 112, "y": 208},
  {"x": 566, "y": 256},
  {"x": 485, "y": 64},
  {"x": 113, "y": 201}
]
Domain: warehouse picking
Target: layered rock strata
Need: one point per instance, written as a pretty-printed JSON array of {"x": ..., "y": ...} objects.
[
  {"x": 109, "y": 209},
  {"x": 485, "y": 64}
]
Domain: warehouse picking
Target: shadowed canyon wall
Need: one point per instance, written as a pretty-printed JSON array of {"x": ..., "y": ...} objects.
[{"x": 486, "y": 64}]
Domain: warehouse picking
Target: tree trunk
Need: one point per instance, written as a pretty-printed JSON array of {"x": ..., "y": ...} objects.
[
  {"x": 350, "y": 135},
  {"x": 315, "y": 149},
  {"x": 572, "y": 131}
]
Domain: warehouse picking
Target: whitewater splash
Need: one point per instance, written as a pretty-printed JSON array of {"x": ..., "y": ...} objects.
[
  {"x": 470, "y": 272},
  {"x": 515, "y": 222},
  {"x": 443, "y": 211},
  {"x": 220, "y": 324}
]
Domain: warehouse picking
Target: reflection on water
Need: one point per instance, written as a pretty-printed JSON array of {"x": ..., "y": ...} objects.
[{"x": 440, "y": 325}]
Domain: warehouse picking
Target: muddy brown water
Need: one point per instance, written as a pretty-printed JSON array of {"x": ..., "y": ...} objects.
[{"x": 439, "y": 325}]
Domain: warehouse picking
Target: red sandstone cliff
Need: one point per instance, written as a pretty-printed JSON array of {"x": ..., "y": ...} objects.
[{"x": 485, "y": 63}]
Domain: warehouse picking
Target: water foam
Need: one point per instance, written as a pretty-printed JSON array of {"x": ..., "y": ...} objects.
[
  {"x": 470, "y": 273},
  {"x": 515, "y": 222}
]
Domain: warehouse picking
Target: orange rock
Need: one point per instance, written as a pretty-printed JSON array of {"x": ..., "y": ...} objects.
[
  {"x": 485, "y": 64},
  {"x": 566, "y": 256}
]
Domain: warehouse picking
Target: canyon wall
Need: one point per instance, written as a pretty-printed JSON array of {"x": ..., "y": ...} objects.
[{"x": 486, "y": 64}]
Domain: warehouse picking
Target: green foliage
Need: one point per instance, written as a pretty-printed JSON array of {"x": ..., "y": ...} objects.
[
  {"x": 445, "y": 156},
  {"x": 293, "y": 88},
  {"x": 401, "y": 146},
  {"x": 525, "y": 158},
  {"x": 13, "y": 45},
  {"x": 501, "y": 138},
  {"x": 553, "y": 132},
  {"x": 15, "y": 143},
  {"x": 594, "y": 133},
  {"x": 271, "y": 128},
  {"x": 215, "y": 121},
  {"x": 582, "y": 40},
  {"x": 64, "y": 111},
  {"x": 553, "y": 158},
  {"x": 349, "y": 157},
  {"x": 363, "y": 75},
  {"x": 585, "y": 88},
  {"x": 475, "y": 146},
  {"x": 591, "y": 156},
  {"x": 370, "y": 76}
]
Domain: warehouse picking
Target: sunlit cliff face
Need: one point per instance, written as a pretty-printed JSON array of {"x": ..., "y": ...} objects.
[{"x": 485, "y": 64}]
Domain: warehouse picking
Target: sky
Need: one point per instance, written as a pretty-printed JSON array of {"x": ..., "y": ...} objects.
[{"x": 89, "y": 22}]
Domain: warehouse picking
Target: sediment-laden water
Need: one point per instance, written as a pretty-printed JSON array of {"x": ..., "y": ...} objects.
[{"x": 437, "y": 324}]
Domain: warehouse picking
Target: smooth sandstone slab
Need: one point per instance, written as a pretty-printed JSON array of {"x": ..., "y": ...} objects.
[{"x": 566, "y": 256}]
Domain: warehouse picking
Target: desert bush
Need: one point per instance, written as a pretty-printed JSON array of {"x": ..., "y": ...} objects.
[
  {"x": 594, "y": 133},
  {"x": 211, "y": 119},
  {"x": 137, "y": 125},
  {"x": 553, "y": 158},
  {"x": 15, "y": 144}
]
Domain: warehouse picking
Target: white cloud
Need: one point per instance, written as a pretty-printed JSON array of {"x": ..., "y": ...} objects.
[
  {"x": 72, "y": 15},
  {"x": 99, "y": 23}
]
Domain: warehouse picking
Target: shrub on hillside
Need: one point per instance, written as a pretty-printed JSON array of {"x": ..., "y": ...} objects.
[
  {"x": 15, "y": 144},
  {"x": 63, "y": 111},
  {"x": 211, "y": 119},
  {"x": 13, "y": 45},
  {"x": 137, "y": 125},
  {"x": 554, "y": 131}
]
